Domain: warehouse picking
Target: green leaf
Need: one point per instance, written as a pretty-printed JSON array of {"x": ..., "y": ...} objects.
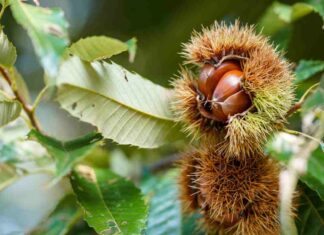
[
  {"x": 111, "y": 204},
  {"x": 315, "y": 177},
  {"x": 310, "y": 214},
  {"x": 308, "y": 68},
  {"x": 300, "y": 10},
  {"x": 8, "y": 153},
  {"x": 97, "y": 48},
  {"x": 21, "y": 157},
  {"x": 315, "y": 100},
  {"x": 9, "y": 109},
  {"x": 165, "y": 215},
  {"x": 47, "y": 29},
  {"x": 4, "y": 3},
  {"x": 66, "y": 154},
  {"x": 279, "y": 16},
  {"x": 165, "y": 210},
  {"x": 8, "y": 175},
  {"x": 318, "y": 6},
  {"x": 60, "y": 221},
  {"x": 132, "y": 48},
  {"x": 123, "y": 106},
  {"x": 8, "y": 54}
]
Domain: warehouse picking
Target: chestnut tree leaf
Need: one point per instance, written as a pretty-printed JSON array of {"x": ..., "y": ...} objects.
[
  {"x": 315, "y": 100},
  {"x": 123, "y": 106},
  {"x": 66, "y": 154},
  {"x": 315, "y": 177},
  {"x": 8, "y": 175},
  {"x": 318, "y": 6},
  {"x": 111, "y": 204},
  {"x": 60, "y": 221},
  {"x": 310, "y": 213},
  {"x": 308, "y": 68},
  {"x": 8, "y": 54},
  {"x": 47, "y": 29},
  {"x": 165, "y": 215},
  {"x": 97, "y": 48},
  {"x": 280, "y": 15},
  {"x": 9, "y": 109},
  {"x": 165, "y": 209}
]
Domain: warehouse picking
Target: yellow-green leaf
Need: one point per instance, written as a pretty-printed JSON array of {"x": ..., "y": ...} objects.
[
  {"x": 123, "y": 106},
  {"x": 97, "y": 48},
  {"x": 9, "y": 109},
  {"x": 47, "y": 29},
  {"x": 8, "y": 52}
]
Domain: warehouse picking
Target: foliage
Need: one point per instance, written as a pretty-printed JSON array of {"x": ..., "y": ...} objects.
[
  {"x": 111, "y": 204},
  {"x": 125, "y": 108}
]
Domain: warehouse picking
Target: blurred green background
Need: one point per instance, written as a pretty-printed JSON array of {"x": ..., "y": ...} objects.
[{"x": 160, "y": 27}]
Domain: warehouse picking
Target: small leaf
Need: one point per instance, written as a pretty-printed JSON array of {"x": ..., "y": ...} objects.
[
  {"x": 123, "y": 106},
  {"x": 315, "y": 100},
  {"x": 111, "y": 204},
  {"x": 60, "y": 221},
  {"x": 97, "y": 48},
  {"x": 9, "y": 109},
  {"x": 8, "y": 175},
  {"x": 8, "y": 54},
  {"x": 66, "y": 154},
  {"x": 164, "y": 191},
  {"x": 308, "y": 68},
  {"x": 132, "y": 47},
  {"x": 310, "y": 214},
  {"x": 47, "y": 29},
  {"x": 315, "y": 168}
]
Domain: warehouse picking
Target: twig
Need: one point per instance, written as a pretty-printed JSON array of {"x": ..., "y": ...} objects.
[
  {"x": 165, "y": 163},
  {"x": 294, "y": 132},
  {"x": 39, "y": 99},
  {"x": 301, "y": 101},
  {"x": 26, "y": 107},
  {"x": 288, "y": 181}
]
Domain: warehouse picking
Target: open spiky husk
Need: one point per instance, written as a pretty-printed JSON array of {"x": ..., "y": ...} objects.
[{"x": 267, "y": 78}]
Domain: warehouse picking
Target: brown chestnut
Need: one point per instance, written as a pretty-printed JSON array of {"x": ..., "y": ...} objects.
[
  {"x": 223, "y": 94},
  {"x": 210, "y": 76}
]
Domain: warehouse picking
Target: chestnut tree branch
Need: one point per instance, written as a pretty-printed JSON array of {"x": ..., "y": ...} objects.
[
  {"x": 30, "y": 111},
  {"x": 301, "y": 101}
]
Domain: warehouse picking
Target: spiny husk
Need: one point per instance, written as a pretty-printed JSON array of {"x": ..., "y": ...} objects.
[
  {"x": 267, "y": 78},
  {"x": 236, "y": 197}
]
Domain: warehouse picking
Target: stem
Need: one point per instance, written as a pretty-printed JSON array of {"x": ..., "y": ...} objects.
[
  {"x": 39, "y": 99},
  {"x": 293, "y": 132},
  {"x": 299, "y": 104},
  {"x": 26, "y": 107}
]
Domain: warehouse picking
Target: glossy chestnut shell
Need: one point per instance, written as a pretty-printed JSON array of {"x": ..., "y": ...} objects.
[{"x": 221, "y": 94}]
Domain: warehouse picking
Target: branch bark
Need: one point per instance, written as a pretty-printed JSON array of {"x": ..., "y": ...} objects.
[{"x": 26, "y": 107}]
